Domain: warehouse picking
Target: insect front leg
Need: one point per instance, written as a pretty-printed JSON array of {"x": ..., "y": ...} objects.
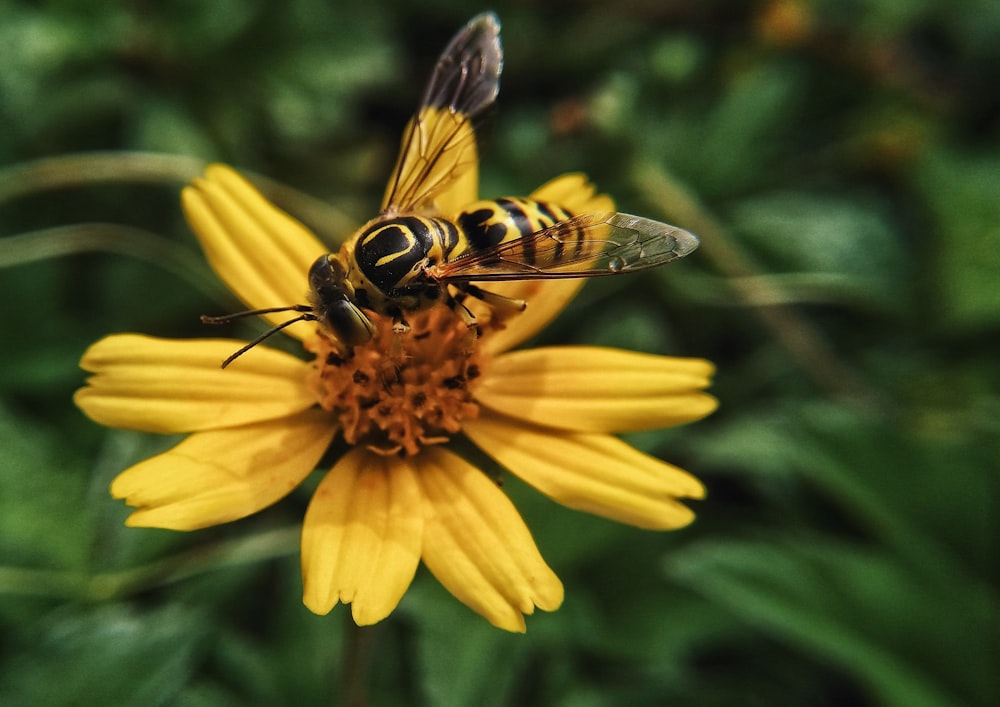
[
  {"x": 467, "y": 316},
  {"x": 464, "y": 313},
  {"x": 399, "y": 323}
]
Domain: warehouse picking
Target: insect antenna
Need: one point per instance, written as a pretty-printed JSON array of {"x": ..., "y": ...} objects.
[
  {"x": 226, "y": 318},
  {"x": 306, "y": 315}
]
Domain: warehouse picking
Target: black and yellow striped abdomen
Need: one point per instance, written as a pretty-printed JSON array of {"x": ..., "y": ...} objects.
[{"x": 488, "y": 223}]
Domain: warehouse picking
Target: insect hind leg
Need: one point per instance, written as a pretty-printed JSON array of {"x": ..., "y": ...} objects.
[
  {"x": 493, "y": 299},
  {"x": 456, "y": 302}
]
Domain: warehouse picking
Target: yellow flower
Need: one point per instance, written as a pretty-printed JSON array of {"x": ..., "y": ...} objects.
[{"x": 399, "y": 495}]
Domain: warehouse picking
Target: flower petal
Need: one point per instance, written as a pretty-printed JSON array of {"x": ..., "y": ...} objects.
[
  {"x": 170, "y": 385},
  {"x": 594, "y": 389},
  {"x": 260, "y": 252},
  {"x": 574, "y": 193},
  {"x": 595, "y": 473},
  {"x": 220, "y": 475},
  {"x": 477, "y": 545},
  {"x": 545, "y": 298},
  {"x": 362, "y": 535}
]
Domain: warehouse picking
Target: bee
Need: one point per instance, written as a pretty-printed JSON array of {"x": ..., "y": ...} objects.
[{"x": 410, "y": 258}]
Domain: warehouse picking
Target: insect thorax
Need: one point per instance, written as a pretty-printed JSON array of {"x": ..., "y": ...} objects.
[{"x": 391, "y": 256}]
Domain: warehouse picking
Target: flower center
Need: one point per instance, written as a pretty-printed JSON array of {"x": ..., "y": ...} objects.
[{"x": 399, "y": 392}]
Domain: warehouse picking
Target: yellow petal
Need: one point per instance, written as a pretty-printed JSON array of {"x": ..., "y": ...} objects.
[
  {"x": 574, "y": 193},
  {"x": 545, "y": 298},
  {"x": 260, "y": 252},
  {"x": 217, "y": 476},
  {"x": 172, "y": 385},
  {"x": 362, "y": 536},
  {"x": 478, "y": 547},
  {"x": 594, "y": 389},
  {"x": 595, "y": 473}
]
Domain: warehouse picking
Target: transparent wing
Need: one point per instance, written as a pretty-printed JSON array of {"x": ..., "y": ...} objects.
[
  {"x": 584, "y": 246},
  {"x": 439, "y": 143}
]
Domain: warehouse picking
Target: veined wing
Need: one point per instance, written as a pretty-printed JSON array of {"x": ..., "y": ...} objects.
[
  {"x": 590, "y": 245},
  {"x": 439, "y": 143}
]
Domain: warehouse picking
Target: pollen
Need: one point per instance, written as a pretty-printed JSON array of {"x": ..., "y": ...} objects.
[{"x": 400, "y": 391}]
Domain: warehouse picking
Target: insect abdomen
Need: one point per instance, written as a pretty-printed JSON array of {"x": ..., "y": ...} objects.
[{"x": 489, "y": 223}]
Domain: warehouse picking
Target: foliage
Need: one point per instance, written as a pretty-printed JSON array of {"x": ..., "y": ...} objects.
[{"x": 841, "y": 161}]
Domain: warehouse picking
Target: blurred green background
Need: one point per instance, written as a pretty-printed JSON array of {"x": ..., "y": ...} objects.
[{"x": 840, "y": 160}]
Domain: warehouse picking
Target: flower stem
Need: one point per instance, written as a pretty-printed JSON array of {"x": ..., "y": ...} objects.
[{"x": 359, "y": 642}]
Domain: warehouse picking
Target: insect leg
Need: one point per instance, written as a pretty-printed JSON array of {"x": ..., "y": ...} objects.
[
  {"x": 399, "y": 324},
  {"x": 464, "y": 313},
  {"x": 493, "y": 299}
]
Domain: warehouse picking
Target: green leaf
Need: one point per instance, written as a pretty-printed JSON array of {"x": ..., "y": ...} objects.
[
  {"x": 920, "y": 498},
  {"x": 855, "y": 607},
  {"x": 164, "y": 126},
  {"x": 928, "y": 498},
  {"x": 111, "y": 656},
  {"x": 844, "y": 249},
  {"x": 43, "y": 490},
  {"x": 460, "y": 672},
  {"x": 726, "y": 150},
  {"x": 961, "y": 191}
]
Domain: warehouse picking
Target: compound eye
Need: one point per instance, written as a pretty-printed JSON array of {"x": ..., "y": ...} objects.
[{"x": 348, "y": 323}]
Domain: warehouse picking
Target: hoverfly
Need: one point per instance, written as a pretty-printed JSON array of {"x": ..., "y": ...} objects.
[{"x": 410, "y": 257}]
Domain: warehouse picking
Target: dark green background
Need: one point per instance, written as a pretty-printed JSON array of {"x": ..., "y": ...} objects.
[{"x": 839, "y": 159}]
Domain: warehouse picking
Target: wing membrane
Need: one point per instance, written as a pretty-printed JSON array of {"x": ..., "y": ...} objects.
[
  {"x": 439, "y": 144},
  {"x": 584, "y": 246}
]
